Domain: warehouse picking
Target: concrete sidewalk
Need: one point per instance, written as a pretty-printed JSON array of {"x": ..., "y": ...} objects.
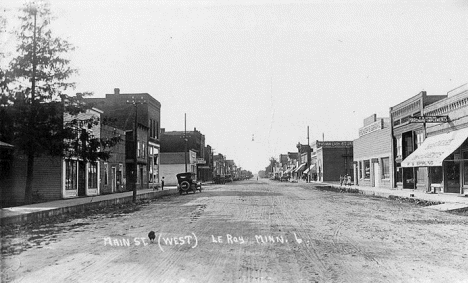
[
  {"x": 446, "y": 202},
  {"x": 38, "y": 211}
]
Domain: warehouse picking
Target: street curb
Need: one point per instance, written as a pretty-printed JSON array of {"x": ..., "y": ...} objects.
[
  {"x": 40, "y": 215},
  {"x": 352, "y": 190}
]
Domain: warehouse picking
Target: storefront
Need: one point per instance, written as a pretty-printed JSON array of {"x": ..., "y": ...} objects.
[
  {"x": 372, "y": 153},
  {"x": 446, "y": 157},
  {"x": 80, "y": 178}
]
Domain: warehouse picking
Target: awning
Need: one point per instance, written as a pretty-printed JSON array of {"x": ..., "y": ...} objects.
[
  {"x": 300, "y": 167},
  {"x": 289, "y": 170},
  {"x": 311, "y": 169},
  {"x": 434, "y": 150},
  {"x": 5, "y": 145}
]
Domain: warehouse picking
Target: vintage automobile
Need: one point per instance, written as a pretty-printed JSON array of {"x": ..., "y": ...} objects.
[
  {"x": 219, "y": 179},
  {"x": 186, "y": 182}
]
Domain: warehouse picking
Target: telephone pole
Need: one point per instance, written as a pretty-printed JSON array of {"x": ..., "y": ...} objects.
[
  {"x": 135, "y": 101},
  {"x": 185, "y": 138}
]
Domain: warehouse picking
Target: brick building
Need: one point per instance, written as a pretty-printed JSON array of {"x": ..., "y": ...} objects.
[
  {"x": 332, "y": 159},
  {"x": 372, "y": 153},
  {"x": 120, "y": 112},
  {"x": 444, "y": 153},
  {"x": 113, "y": 175},
  {"x": 406, "y": 137},
  {"x": 174, "y": 141}
]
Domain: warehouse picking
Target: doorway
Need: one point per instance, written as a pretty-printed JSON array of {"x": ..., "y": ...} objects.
[
  {"x": 141, "y": 177},
  {"x": 452, "y": 170},
  {"x": 376, "y": 174},
  {"x": 81, "y": 178},
  {"x": 113, "y": 179},
  {"x": 465, "y": 172}
]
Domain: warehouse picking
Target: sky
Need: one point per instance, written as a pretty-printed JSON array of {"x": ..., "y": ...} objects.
[{"x": 253, "y": 75}]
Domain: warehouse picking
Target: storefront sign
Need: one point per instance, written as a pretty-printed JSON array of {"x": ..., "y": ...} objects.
[
  {"x": 371, "y": 128},
  {"x": 334, "y": 143},
  {"x": 429, "y": 119},
  {"x": 201, "y": 161}
]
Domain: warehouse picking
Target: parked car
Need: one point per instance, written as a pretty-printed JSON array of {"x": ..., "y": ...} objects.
[
  {"x": 219, "y": 179},
  {"x": 284, "y": 178},
  {"x": 186, "y": 182}
]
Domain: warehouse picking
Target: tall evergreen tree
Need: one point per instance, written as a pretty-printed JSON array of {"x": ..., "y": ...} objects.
[{"x": 33, "y": 104}]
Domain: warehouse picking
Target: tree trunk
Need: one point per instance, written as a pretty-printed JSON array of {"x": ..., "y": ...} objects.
[{"x": 29, "y": 179}]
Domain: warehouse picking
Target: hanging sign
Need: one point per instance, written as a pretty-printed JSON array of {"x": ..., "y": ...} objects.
[{"x": 429, "y": 119}]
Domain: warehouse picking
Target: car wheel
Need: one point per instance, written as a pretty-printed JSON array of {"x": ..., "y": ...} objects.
[{"x": 185, "y": 186}]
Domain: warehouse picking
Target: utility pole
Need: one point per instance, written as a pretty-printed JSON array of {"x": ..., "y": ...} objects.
[
  {"x": 135, "y": 101},
  {"x": 185, "y": 138},
  {"x": 308, "y": 155}
]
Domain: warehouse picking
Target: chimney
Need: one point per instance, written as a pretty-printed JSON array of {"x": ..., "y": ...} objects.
[
  {"x": 194, "y": 129},
  {"x": 116, "y": 91}
]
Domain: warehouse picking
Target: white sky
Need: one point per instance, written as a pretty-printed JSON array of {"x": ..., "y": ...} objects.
[{"x": 266, "y": 68}]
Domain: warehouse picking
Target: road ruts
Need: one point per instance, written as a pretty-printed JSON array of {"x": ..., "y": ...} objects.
[{"x": 303, "y": 235}]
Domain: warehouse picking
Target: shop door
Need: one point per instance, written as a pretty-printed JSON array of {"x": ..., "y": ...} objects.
[
  {"x": 465, "y": 172},
  {"x": 141, "y": 177},
  {"x": 453, "y": 177},
  {"x": 81, "y": 178},
  {"x": 408, "y": 178},
  {"x": 113, "y": 179},
  {"x": 376, "y": 174}
]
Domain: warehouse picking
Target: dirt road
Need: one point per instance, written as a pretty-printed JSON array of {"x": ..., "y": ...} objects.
[{"x": 250, "y": 231}]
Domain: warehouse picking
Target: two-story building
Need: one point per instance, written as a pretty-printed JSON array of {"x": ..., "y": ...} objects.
[
  {"x": 406, "y": 137},
  {"x": 119, "y": 111},
  {"x": 443, "y": 154}
]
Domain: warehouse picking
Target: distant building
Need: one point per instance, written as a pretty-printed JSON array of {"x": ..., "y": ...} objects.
[
  {"x": 372, "y": 153},
  {"x": 173, "y": 163},
  {"x": 174, "y": 141},
  {"x": 332, "y": 159}
]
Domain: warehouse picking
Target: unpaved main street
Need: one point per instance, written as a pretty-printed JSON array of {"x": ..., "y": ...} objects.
[{"x": 247, "y": 231}]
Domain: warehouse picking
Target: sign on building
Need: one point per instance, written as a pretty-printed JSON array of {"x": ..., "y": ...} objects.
[{"x": 429, "y": 119}]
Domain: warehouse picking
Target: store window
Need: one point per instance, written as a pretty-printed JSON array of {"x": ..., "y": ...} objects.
[
  {"x": 119, "y": 175},
  {"x": 360, "y": 169},
  {"x": 71, "y": 173},
  {"x": 366, "y": 169},
  {"x": 399, "y": 147},
  {"x": 386, "y": 168},
  {"x": 92, "y": 175},
  {"x": 399, "y": 174},
  {"x": 419, "y": 139},
  {"x": 436, "y": 174}
]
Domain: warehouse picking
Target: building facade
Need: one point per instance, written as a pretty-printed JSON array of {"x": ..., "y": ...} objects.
[
  {"x": 332, "y": 159},
  {"x": 173, "y": 163},
  {"x": 119, "y": 111},
  {"x": 176, "y": 141},
  {"x": 406, "y": 137},
  {"x": 112, "y": 173},
  {"x": 56, "y": 177},
  {"x": 372, "y": 153},
  {"x": 443, "y": 154}
]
